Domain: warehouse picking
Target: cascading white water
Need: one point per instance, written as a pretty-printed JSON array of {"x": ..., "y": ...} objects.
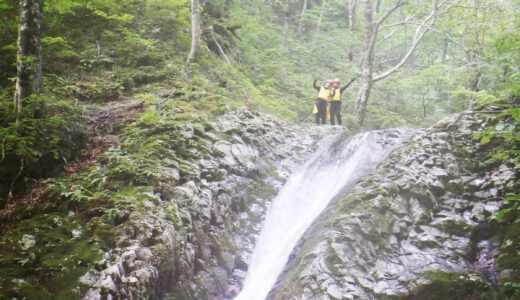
[{"x": 336, "y": 165}]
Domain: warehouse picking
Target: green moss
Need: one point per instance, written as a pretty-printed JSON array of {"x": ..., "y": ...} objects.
[
  {"x": 98, "y": 202},
  {"x": 446, "y": 285},
  {"x": 510, "y": 250},
  {"x": 30, "y": 291},
  {"x": 453, "y": 285},
  {"x": 50, "y": 261},
  {"x": 332, "y": 260},
  {"x": 453, "y": 227}
]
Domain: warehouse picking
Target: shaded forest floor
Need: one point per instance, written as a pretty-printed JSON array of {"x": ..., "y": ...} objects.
[{"x": 104, "y": 124}]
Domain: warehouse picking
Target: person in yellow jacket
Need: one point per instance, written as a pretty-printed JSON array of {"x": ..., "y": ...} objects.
[
  {"x": 322, "y": 99},
  {"x": 335, "y": 99}
]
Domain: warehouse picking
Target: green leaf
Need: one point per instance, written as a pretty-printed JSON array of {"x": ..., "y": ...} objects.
[
  {"x": 500, "y": 214},
  {"x": 501, "y": 155},
  {"x": 515, "y": 113},
  {"x": 513, "y": 198}
]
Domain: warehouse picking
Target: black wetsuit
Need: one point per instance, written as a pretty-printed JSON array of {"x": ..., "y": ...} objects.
[
  {"x": 335, "y": 106},
  {"x": 335, "y": 111},
  {"x": 321, "y": 116}
]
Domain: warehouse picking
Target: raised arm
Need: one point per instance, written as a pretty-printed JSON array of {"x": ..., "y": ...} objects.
[
  {"x": 347, "y": 85},
  {"x": 315, "y": 86}
]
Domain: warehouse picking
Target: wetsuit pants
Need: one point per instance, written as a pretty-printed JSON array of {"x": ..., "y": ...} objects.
[
  {"x": 322, "y": 111},
  {"x": 335, "y": 111}
]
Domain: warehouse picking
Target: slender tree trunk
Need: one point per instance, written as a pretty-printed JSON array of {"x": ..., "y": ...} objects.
[
  {"x": 318, "y": 26},
  {"x": 352, "y": 14},
  {"x": 285, "y": 30},
  {"x": 351, "y": 25},
  {"x": 423, "y": 103},
  {"x": 304, "y": 8},
  {"x": 367, "y": 61},
  {"x": 285, "y": 23},
  {"x": 378, "y": 6},
  {"x": 445, "y": 51},
  {"x": 476, "y": 82},
  {"x": 195, "y": 31},
  {"x": 473, "y": 76},
  {"x": 29, "y": 79}
]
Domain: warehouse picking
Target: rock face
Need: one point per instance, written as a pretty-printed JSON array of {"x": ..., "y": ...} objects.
[
  {"x": 416, "y": 228},
  {"x": 193, "y": 240}
]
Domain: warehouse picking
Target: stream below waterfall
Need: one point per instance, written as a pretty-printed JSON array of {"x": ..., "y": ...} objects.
[{"x": 337, "y": 164}]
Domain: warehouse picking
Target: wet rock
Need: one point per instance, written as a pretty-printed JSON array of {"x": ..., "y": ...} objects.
[
  {"x": 27, "y": 241},
  {"x": 108, "y": 285},
  {"x": 88, "y": 279},
  {"x": 191, "y": 235},
  {"x": 334, "y": 292},
  {"x": 93, "y": 294},
  {"x": 421, "y": 214}
]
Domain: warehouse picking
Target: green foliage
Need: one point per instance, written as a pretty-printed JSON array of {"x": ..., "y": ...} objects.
[
  {"x": 473, "y": 98},
  {"x": 36, "y": 142},
  {"x": 8, "y": 36},
  {"x": 58, "y": 47},
  {"x": 98, "y": 50},
  {"x": 447, "y": 285},
  {"x": 381, "y": 118},
  {"x": 507, "y": 130}
]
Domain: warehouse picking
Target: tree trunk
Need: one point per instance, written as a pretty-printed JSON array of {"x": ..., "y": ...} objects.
[
  {"x": 352, "y": 14},
  {"x": 378, "y": 6},
  {"x": 424, "y": 109},
  {"x": 363, "y": 95},
  {"x": 285, "y": 30},
  {"x": 29, "y": 79},
  {"x": 473, "y": 72},
  {"x": 318, "y": 26},
  {"x": 351, "y": 25},
  {"x": 304, "y": 8},
  {"x": 367, "y": 61},
  {"x": 195, "y": 31},
  {"x": 445, "y": 51},
  {"x": 285, "y": 24}
]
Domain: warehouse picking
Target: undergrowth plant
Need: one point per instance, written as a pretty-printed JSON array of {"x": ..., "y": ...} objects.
[
  {"x": 47, "y": 134},
  {"x": 507, "y": 129}
]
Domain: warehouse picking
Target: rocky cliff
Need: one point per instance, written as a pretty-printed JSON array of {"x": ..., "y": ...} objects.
[
  {"x": 194, "y": 242},
  {"x": 416, "y": 228},
  {"x": 173, "y": 213},
  {"x": 170, "y": 213}
]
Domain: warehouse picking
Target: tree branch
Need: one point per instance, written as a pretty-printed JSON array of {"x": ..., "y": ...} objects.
[
  {"x": 405, "y": 21},
  {"x": 398, "y": 4},
  {"x": 387, "y": 61},
  {"x": 210, "y": 29},
  {"x": 388, "y": 35},
  {"x": 441, "y": 33},
  {"x": 419, "y": 34}
]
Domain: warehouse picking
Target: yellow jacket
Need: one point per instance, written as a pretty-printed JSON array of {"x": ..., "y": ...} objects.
[
  {"x": 324, "y": 94},
  {"x": 337, "y": 95}
]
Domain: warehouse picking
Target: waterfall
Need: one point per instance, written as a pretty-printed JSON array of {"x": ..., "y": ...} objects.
[{"x": 336, "y": 165}]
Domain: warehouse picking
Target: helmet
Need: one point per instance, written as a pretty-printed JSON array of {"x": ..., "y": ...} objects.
[
  {"x": 327, "y": 81},
  {"x": 336, "y": 80}
]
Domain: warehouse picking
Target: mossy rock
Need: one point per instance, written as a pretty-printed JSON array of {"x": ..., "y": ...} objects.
[{"x": 449, "y": 286}]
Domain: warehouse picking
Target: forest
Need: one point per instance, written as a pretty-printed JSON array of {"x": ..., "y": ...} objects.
[{"x": 115, "y": 112}]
